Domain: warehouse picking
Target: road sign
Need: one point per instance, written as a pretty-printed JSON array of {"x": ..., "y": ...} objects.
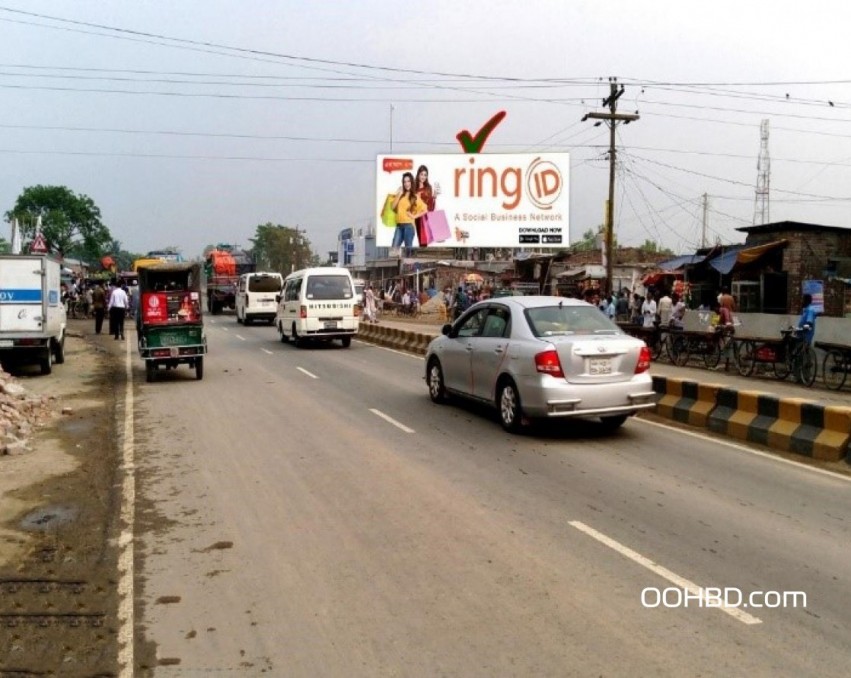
[{"x": 39, "y": 246}]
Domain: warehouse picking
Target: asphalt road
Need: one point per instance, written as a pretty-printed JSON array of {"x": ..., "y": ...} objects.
[{"x": 309, "y": 512}]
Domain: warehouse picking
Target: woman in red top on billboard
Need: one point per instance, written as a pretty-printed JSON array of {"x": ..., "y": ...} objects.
[{"x": 428, "y": 195}]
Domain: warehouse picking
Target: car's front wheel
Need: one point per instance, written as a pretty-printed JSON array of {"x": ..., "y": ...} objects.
[
  {"x": 436, "y": 386},
  {"x": 510, "y": 409}
]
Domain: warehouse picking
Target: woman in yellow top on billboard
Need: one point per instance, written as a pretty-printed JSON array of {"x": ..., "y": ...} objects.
[{"x": 408, "y": 207}]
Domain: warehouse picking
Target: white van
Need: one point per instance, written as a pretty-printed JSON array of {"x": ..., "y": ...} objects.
[
  {"x": 318, "y": 303},
  {"x": 256, "y": 296}
]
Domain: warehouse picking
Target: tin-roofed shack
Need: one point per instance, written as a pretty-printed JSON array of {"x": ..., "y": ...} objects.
[{"x": 807, "y": 252}]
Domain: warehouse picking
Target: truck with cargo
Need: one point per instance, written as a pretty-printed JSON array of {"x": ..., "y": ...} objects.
[
  {"x": 32, "y": 315},
  {"x": 222, "y": 269}
]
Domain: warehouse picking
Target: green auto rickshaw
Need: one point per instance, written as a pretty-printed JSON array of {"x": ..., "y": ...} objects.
[{"x": 169, "y": 321}]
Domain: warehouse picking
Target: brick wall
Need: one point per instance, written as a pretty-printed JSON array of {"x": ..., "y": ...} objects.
[{"x": 806, "y": 258}]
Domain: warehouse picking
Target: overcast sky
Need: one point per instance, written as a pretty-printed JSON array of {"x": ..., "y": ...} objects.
[{"x": 191, "y": 122}]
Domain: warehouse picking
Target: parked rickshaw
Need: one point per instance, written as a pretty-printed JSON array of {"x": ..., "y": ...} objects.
[{"x": 168, "y": 317}]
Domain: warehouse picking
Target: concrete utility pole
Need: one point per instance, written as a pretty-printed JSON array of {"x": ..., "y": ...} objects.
[
  {"x": 705, "y": 220},
  {"x": 612, "y": 118}
]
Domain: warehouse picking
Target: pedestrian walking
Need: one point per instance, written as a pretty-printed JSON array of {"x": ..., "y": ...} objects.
[
  {"x": 98, "y": 306},
  {"x": 118, "y": 303}
]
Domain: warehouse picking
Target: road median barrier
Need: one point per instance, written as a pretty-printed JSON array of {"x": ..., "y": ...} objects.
[
  {"x": 785, "y": 424},
  {"x": 395, "y": 338}
]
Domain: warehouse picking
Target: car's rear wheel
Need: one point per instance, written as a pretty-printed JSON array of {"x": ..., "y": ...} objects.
[
  {"x": 284, "y": 338},
  {"x": 510, "y": 409},
  {"x": 297, "y": 340},
  {"x": 346, "y": 341},
  {"x": 150, "y": 370},
  {"x": 46, "y": 362},
  {"x": 199, "y": 368},
  {"x": 436, "y": 386},
  {"x": 613, "y": 423},
  {"x": 59, "y": 351}
]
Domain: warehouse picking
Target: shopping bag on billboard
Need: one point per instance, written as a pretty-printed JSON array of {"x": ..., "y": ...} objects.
[
  {"x": 423, "y": 234},
  {"x": 437, "y": 226},
  {"x": 388, "y": 214}
]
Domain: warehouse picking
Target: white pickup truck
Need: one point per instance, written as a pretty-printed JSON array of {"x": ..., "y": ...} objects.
[{"x": 32, "y": 315}]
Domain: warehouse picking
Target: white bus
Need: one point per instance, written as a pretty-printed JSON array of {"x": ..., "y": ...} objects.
[
  {"x": 318, "y": 303},
  {"x": 256, "y": 296}
]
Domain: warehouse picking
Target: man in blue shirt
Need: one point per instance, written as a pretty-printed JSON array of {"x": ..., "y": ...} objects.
[{"x": 807, "y": 321}]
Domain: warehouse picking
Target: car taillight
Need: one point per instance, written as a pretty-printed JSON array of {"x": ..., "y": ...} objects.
[
  {"x": 302, "y": 313},
  {"x": 643, "y": 360},
  {"x": 548, "y": 363}
]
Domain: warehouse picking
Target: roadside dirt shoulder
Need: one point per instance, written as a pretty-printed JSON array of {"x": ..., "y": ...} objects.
[{"x": 58, "y": 504}]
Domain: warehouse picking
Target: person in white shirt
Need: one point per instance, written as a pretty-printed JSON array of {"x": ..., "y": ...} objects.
[
  {"x": 648, "y": 310},
  {"x": 666, "y": 307},
  {"x": 118, "y": 303}
]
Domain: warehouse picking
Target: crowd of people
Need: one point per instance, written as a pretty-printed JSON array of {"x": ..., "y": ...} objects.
[{"x": 98, "y": 299}]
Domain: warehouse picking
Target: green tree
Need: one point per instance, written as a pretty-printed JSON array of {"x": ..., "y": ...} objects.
[
  {"x": 71, "y": 224},
  {"x": 281, "y": 248},
  {"x": 651, "y": 247},
  {"x": 590, "y": 240},
  {"x": 5, "y": 246}
]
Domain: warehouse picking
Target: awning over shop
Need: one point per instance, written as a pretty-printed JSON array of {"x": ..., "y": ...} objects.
[
  {"x": 678, "y": 262},
  {"x": 572, "y": 273},
  {"x": 656, "y": 277},
  {"x": 743, "y": 255}
]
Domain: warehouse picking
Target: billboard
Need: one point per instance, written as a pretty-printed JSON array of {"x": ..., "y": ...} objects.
[{"x": 474, "y": 200}]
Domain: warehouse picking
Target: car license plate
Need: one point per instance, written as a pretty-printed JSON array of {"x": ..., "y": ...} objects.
[
  {"x": 174, "y": 351},
  {"x": 599, "y": 366},
  {"x": 331, "y": 326},
  {"x": 6, "y": 343}
]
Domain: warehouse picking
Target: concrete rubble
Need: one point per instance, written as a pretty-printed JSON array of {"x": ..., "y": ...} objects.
[{"x": 20, "y": 414}]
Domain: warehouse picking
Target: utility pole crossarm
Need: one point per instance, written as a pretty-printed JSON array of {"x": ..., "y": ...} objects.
[
  {"x": 613, "y": 118},
  {"x": 617, "y": 117}
]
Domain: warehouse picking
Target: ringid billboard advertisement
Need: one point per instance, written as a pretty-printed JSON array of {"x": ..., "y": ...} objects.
[{"x": 473, "y": 200}]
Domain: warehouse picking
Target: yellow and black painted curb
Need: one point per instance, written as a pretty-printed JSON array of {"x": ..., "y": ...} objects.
[
  {"x": 394, "y": 337},
  {"x": 786, "y": 424}
]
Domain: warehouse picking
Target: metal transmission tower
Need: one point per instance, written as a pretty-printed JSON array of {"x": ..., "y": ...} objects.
[{"x": 763, "y": 178}]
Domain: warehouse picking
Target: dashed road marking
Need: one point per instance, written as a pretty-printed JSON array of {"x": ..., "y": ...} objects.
[
  {"x": 663, "y": 572},
  {"x": 309, "y": 374},
  {"x": 391, "y": 420}
]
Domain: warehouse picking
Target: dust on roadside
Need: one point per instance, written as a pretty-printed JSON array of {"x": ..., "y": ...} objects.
[{"x": 58, "y": 512}]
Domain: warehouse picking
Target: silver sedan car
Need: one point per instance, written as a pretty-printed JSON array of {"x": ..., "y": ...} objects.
[{"x": 541, "y": 357}]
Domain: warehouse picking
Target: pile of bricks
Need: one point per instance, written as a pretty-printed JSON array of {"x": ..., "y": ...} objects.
[{"x": 20, "y": 413}]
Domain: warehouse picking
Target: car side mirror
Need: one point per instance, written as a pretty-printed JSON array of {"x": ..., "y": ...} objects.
[
  {"x": 446, "y": 329},
  {"x": 277, "y": 298}
]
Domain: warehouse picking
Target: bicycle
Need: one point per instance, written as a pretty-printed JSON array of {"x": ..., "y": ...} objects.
[{"x": 791, "y": 355}]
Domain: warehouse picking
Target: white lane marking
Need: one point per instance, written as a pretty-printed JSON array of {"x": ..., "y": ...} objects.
[
  {"x": 663, "y": 572},
  {"x": 225, "y": 329},
  {"x": 266, "y": 350},
  {"x": 742, "y": 448},
  {"x": 391, "y": 420},
  {"x": 126, "y": 659},
  {"x": 392, "y": 350},
  {"x": 309, "y": 374},
  {"x": 240, "y": 337}
]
